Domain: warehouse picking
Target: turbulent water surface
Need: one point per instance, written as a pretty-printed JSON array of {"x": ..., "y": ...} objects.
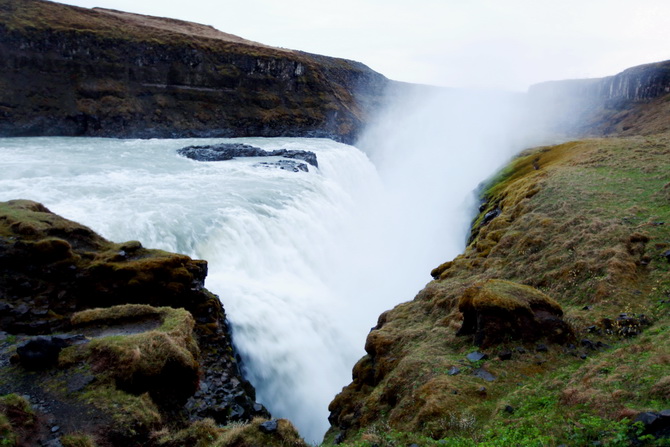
[{"x": 304, "y": 262}]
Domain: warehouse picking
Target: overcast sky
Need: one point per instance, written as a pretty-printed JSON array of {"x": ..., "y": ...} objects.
[{"x": 460, "y": 43}]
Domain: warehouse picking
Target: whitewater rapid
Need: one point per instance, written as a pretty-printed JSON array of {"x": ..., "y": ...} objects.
[
  {"x": 288, "y": 252},
  {"x": 304, "y": 262}
]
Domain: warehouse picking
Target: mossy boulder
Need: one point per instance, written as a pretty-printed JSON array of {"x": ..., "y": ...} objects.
[
  {"x": 496, "y": 310},
  {"x": 162, "y": 361}
]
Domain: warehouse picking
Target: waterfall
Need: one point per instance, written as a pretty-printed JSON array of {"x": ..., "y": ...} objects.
[{"x": 303, "y": 262}]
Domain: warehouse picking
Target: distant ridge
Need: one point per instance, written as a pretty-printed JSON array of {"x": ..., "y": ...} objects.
[
  {"x": 632, "y": 102},
  {"x": 101, "y": 72}
]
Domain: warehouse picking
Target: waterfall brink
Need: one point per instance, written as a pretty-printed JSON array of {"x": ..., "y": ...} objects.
[
  {"x": 277, "y": 242},
  {"x": 303, "y": 262}
]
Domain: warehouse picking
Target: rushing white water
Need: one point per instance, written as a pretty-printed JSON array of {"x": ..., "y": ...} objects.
[
  {"x": 277, "y": 243},
  {"x": 303, "y": 262}
]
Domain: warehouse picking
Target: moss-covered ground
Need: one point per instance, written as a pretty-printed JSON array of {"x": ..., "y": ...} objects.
[{"x": 588, "y": 224}]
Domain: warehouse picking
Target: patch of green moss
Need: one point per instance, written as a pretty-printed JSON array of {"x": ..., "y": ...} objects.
[{"x": 507, "y": 295}]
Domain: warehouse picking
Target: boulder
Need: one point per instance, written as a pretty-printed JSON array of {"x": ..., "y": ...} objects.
[
  {"x": 476, "y": 356},
  {"x": 655, "y": 424},
  {"x": 41, "y": 352},
  {"x": 495, "y": 311},
  {"x": 269, "y": 427},
  {"x": 229, "y": 151}
]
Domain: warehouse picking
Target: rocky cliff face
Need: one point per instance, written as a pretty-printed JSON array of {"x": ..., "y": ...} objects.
[
  {"x": 624, "y": 104},
  {"x": 132, "y": 362},
  {"x": 73, "y": 71}
]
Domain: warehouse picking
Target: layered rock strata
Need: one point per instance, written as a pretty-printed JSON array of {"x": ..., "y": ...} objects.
[{"x": 95, "y": 72}]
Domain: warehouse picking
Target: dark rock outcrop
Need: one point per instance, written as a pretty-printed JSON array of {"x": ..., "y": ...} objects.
[
  {"x": 40, "y": 353},
  {"x": 96, "y": 72},
  {"x": 496, "y": 310},
  {"x": 52, "y": 268},
  {"x": 221, "y": 152}
]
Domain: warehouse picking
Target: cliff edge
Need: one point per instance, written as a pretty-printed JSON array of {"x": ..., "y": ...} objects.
[
  {"x": 113, "y": 344},
  {"x": 70, "y": 71},
  {"x": 633, "y": 102}
]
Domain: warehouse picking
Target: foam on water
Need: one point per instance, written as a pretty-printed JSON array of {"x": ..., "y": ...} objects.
[{"x": 303, "y": 262}]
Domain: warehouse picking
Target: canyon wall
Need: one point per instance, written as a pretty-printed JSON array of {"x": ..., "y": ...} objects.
[{"x": 73, "y": 71}]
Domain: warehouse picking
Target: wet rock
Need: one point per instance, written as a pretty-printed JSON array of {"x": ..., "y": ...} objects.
[
  {"x": 269, "y": 427},
  {"x": 222, "y": 152},
  {"x": 285, "y": 165},
  {"x": 454, "y": 371},
  {"x": 40, "y": 353}
]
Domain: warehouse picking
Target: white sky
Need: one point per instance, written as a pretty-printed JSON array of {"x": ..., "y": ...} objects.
[{"x": 459, "y": 43}]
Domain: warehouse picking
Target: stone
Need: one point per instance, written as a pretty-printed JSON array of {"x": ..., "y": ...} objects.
[
  {"x": 269, "y": 427},
  {"x": 488, "y": 217},
  {"x": 508, "y": 409},
  {"x": 77, "y": 382},
  {"x": 505, "y": 355},
  {"x": 454, "y": 371},
  {"x": 339, "y": 439},
  {"x": 483, "y": 374},
  {"x": 476, "y": 356},
  {"x": 541, "y": 348},
  {"x": 285, "y": 165},
  {"x": 588, "y": 344},
  {"x": 229, "y": 151},
  {"x": 40, "y": 353}
]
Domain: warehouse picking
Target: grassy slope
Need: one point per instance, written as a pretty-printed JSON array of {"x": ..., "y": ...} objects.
[{"x": 581, "y": 222}]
